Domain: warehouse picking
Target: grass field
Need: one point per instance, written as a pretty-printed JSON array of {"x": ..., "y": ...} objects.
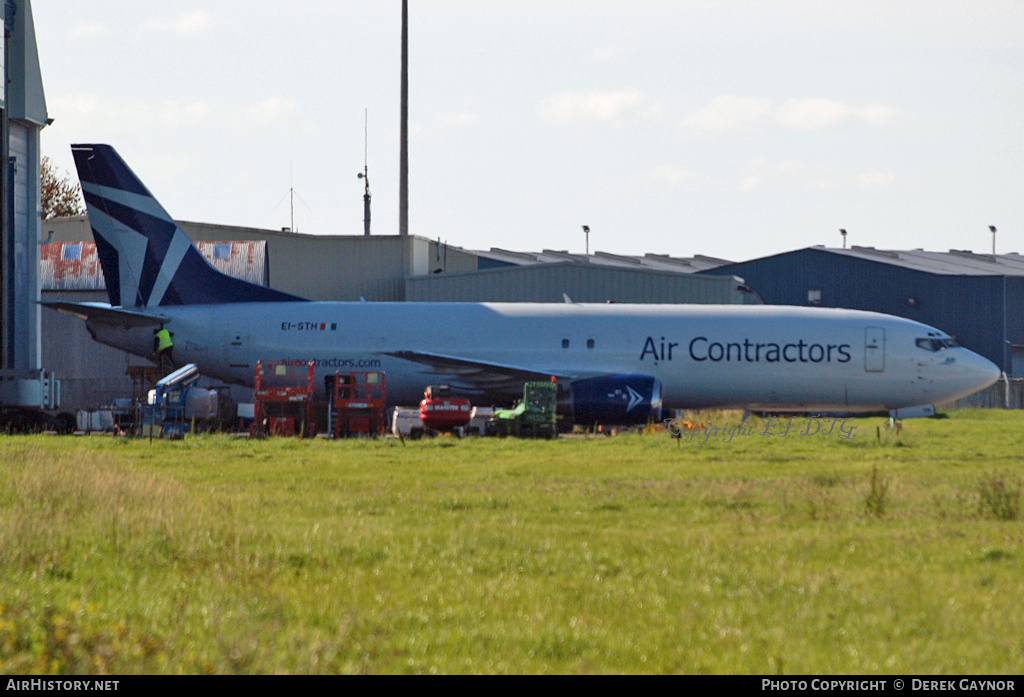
[{"x": 884, "y": 552}]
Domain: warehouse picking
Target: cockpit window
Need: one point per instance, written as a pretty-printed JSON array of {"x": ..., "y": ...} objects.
[{"x": 931, "y": 344}]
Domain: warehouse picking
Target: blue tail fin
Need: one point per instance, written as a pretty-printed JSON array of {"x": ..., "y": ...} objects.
[{"x": 147, "y": 258}]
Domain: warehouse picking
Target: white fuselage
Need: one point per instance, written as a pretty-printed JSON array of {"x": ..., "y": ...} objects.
[{"x": 758, "y": 357}]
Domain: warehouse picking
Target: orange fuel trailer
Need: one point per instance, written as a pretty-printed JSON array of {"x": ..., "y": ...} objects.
[{"x": 440, "y": 410}]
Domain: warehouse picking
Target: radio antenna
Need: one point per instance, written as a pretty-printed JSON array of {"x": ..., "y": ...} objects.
[{"x": 365, "y": 174}]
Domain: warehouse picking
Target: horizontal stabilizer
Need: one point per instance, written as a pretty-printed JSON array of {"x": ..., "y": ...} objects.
[{"x": 105, "y": 314}]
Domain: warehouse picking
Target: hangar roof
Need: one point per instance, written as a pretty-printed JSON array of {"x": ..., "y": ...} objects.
[
  {"x": 656, "y": 262},
  {"x": 553, "y": 281},
  {"x": 955, "y": 262}
]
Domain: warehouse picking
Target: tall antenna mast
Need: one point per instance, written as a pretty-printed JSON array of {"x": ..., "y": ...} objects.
[
  {"x": 365, "y": 176},
  {"x": 292, "y": 195},
  {"x": 291, "y": 198}
]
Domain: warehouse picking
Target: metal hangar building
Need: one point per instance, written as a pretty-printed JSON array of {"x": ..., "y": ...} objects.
[{"x": 976, "y": 298}]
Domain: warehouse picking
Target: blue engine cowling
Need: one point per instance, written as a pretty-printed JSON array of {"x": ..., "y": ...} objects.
[{"x": 624, "y": 400}]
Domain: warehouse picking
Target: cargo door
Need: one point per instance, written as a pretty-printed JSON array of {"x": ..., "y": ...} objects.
[
  {"x": 240, "y": 348},
  {"x": 874, "y": 349}
]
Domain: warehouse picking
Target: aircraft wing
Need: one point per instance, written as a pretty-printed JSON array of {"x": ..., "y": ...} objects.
[
  {"x": 100, "y": 312},
  {"x": 475, "y": 376}
]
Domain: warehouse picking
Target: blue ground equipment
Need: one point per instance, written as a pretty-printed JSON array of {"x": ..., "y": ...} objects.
[{"x": 164, "y": 415}]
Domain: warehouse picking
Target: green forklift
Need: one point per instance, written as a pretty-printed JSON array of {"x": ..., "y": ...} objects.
[{"x": 534, "y": 417}]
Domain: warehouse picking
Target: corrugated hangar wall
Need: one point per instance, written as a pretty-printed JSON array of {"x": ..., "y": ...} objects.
[
  {"x": 22, "y": 351},
  {"x": 321, "y": 267},
  {"x": 23, "y": 114},
  {"x": 91, "y": 373},
  {"x": 343, "y": 267},
  {"x": 581, "y": 282},
  {"x": 394, "y": 268},
  {"x": 1015, "y": 326}
]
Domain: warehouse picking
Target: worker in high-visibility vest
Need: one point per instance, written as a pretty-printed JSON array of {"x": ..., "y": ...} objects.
[{"x": 164, "y": 346}]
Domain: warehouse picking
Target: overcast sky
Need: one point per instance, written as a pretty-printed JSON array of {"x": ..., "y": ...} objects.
[{"x": 735, "y": 129}]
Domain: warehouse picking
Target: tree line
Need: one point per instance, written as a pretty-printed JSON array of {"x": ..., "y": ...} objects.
[{"x": 60, "y": 194}]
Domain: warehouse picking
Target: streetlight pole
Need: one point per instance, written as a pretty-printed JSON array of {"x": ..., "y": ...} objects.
[{"x": 403, "y": 164}]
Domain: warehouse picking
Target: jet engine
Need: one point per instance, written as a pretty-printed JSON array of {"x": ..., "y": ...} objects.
[{"x": 624, "y": 400}]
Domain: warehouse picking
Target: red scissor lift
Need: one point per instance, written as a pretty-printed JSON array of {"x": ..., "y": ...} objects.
[
  {"x": 283, "y": 391},
  {"x": 357, "y": 404}
]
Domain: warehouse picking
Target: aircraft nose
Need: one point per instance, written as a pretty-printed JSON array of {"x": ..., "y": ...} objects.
[{"x": 979, "y": 372}]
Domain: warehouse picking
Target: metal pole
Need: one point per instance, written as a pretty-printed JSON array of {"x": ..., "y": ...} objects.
[
  {"x": 365, "y": 175},
  {"x": 6, "y": 228},
  {"x": 403, "y": 167},
  {"x": 366, "y": 207}
]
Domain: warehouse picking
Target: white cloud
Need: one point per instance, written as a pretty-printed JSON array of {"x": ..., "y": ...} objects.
[
  {"x": 271, "y": 109},
  {"x": 187, "y": 23},
  {"x": 78, "y": 104},
  {"x": 603, "y": 55},
  {"x": 570, "y": 107},
  {"x": 88, "y": 112},
  {"x": 728, "y": 113},
  {"x": 731, "y": 113},
  {"x": 876, "y": 179},
  {"x": 174, "y": 115},
  {"x": 676, "y": 176},
  {"x": 879, "y": 115},
  {"x": 761, "y": 171},
  {"x": 805, "y": 114}
]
